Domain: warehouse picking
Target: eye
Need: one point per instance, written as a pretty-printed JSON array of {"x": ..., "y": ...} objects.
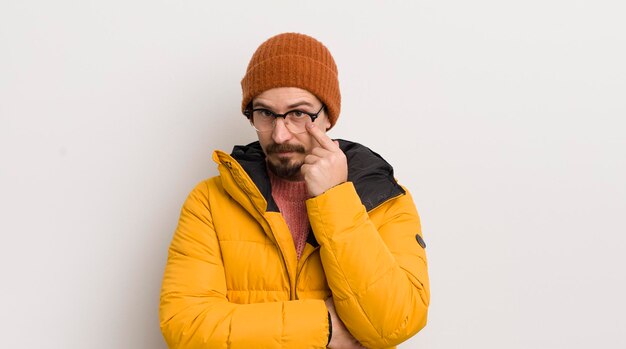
[
  {"x": 298, "y": 114},
  {"x": 266, "y": 113}
]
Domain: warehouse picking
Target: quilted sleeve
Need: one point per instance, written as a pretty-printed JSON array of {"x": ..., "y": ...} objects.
[
  {"x": 194, "y": 311},
  {"x": 377, "y": 274}
]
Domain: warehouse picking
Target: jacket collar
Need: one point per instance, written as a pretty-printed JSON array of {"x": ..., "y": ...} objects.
[{"x": 371, "y": 174}]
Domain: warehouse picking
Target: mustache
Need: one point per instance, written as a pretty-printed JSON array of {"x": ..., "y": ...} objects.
[{"x": 281, "y": 148}]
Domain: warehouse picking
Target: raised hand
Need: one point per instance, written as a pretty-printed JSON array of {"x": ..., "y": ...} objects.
[{"x": 326, "y": 165}]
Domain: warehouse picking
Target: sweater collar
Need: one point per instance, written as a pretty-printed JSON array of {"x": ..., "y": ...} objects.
[{"x": 292, "y": 191}]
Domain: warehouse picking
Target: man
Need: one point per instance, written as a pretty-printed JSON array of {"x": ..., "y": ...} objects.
[{"x": 301, "y": 241}]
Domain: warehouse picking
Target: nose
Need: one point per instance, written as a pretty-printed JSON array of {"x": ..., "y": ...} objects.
[{"x": 280, "y": 133}]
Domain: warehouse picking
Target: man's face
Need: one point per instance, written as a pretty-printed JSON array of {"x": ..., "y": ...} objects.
[{"x": 284, "y": 150}]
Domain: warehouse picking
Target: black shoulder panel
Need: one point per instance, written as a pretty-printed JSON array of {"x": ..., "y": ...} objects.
[{"x": 371, "y": 174}]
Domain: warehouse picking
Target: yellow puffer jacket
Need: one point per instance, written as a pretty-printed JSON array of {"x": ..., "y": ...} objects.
[{"x": 233, "y": 279}]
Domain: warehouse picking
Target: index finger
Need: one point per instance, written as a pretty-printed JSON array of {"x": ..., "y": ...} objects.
[{"x": 321, "y": 137}]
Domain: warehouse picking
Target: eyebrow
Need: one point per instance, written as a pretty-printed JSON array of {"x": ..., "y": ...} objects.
[
  {"x": 297, "y": 104},
  {"x": 291, "y": 106}
]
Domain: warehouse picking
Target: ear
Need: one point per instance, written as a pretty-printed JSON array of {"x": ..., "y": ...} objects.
[{"x": 326, "y": 123}]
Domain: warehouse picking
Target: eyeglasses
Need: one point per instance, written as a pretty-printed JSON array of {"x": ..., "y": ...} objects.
[{"x": 264, "y": 120}]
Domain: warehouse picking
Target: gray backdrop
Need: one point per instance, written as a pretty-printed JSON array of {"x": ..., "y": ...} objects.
[{"x": 504, "y": 118}]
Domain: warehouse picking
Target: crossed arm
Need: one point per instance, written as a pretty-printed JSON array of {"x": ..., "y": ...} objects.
[{"x": 378, "y": 278}]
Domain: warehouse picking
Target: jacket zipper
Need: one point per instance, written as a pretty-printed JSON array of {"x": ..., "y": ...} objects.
[{"x": 282, "y": 256}]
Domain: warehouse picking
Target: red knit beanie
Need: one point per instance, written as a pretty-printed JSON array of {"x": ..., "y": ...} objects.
[{"x": 293, "y": 60}]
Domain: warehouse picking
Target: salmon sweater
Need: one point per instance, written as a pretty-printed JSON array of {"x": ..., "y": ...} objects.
[{"x": 290, "y": 197}]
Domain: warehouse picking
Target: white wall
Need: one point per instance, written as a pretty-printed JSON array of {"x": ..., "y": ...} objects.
[{"x": 505, "y": 119}]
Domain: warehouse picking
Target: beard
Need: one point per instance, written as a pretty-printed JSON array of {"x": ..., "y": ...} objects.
[{"x": 283, "y": 167}]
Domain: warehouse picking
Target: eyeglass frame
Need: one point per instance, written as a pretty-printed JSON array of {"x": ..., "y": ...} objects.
[{"x": 248, "y": 113}]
